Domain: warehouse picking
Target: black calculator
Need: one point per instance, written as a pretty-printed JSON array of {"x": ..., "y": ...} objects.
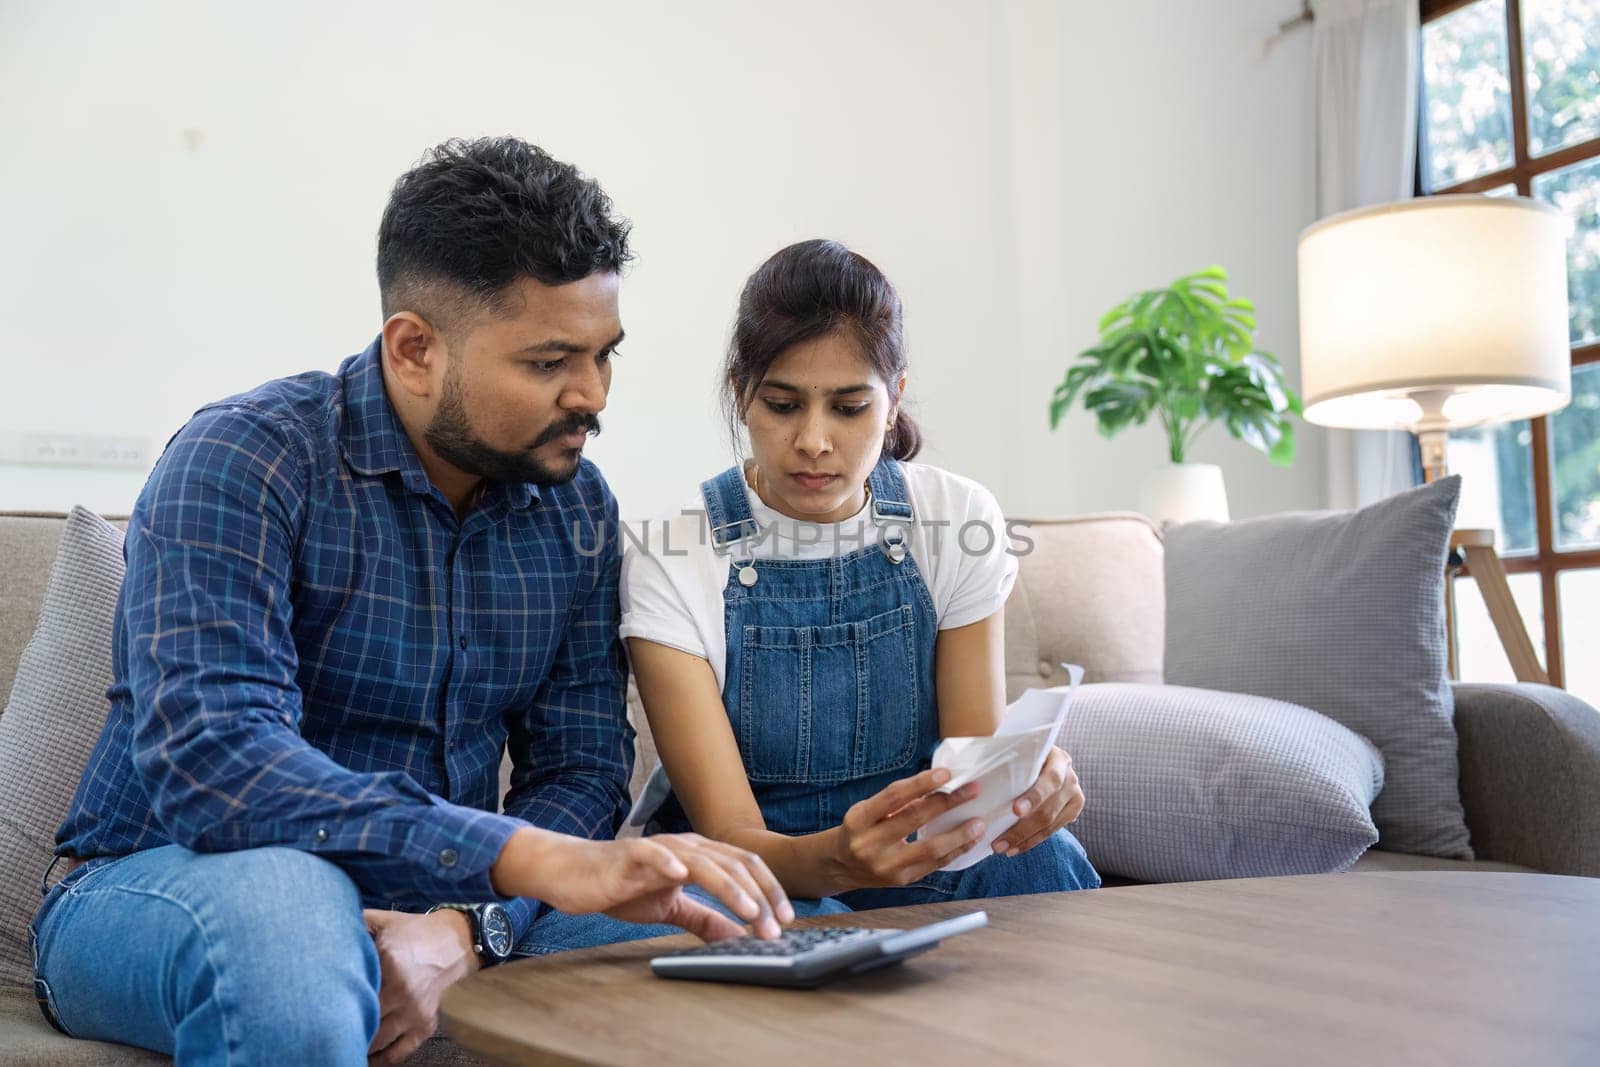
[{"x": 808, "y": 958}]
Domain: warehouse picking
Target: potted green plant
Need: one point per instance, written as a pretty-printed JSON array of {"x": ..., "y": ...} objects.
[{"x": 1186, "y": 355}]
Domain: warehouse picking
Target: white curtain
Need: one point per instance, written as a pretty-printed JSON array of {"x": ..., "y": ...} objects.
[{"x": 1365, "y": 60}]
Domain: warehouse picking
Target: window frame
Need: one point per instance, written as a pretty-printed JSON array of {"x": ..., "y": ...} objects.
[{"x": 1547, "y": 560}]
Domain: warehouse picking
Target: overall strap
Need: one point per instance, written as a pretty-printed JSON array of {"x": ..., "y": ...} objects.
[
  {"x": 728, "y": 509},
  {"x": 890, "y": 501},
  {"x": 891, "y": 506}
]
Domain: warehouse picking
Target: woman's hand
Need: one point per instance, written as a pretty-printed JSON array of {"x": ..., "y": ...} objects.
[
  {"x": 641, "y": 880},
  {"x": 870, "y": 848},
  {"x": 1053, "y": 801}
]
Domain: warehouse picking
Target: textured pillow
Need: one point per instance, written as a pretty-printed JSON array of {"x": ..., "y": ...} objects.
[
  {"x": 1342, "y": 612},
  {"x": 55, "y": 714},
  {"x": 1190, "y": 784}
]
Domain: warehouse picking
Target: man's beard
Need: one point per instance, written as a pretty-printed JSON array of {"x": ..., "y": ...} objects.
[{"x": 454, "y": 442}]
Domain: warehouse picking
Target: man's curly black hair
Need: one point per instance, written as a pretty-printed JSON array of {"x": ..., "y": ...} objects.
[{"x": 476, "y": 216}]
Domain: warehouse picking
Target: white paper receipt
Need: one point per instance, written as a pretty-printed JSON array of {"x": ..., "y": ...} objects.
[{"x": 1004, "y": 766}]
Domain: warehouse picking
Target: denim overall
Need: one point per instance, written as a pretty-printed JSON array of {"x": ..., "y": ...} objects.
[{"x": 829, "y": 688}]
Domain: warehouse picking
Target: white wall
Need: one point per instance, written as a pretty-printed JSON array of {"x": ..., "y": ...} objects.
[
  {"x": 190, "y": 193},
  {"x": 1180, "y": 144}
]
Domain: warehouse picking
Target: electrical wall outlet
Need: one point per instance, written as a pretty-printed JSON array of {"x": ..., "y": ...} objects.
[{"x": 79, "y": 450}]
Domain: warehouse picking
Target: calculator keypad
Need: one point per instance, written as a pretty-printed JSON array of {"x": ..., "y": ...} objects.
[{"x": 792, "y": 943}]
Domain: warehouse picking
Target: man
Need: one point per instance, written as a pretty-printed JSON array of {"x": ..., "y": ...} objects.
[{"x": 346, "y": 596}]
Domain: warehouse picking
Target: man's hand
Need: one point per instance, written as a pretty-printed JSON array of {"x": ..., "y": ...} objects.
[
  {"x": 1053, "y": 801},
  {"x": 421, "y": 955},
  {"x": 641, "y": 880}
]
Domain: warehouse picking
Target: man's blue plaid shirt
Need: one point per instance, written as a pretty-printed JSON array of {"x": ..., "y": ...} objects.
[{"x": 312, "y": 652}]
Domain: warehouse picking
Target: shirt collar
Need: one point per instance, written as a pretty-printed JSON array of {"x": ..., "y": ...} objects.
[{"x": 375, "y": 443}]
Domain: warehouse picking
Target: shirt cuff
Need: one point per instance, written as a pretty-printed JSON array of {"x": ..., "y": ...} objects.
[
  {"x": 457, "y": 847},
  {"x": 523, "y": 911},
  {"x": 475, "y": 838}
]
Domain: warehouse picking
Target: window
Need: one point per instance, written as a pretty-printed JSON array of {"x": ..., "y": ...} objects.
[{"x": 1511, "y": 106}]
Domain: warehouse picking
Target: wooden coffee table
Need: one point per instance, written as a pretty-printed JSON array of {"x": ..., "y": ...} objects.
[{"x": 1417, "y": 967}]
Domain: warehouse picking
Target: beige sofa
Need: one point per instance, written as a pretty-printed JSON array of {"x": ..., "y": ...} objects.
[{"x": 1090, "y": 592}]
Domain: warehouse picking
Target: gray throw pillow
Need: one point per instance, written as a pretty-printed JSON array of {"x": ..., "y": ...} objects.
[
  {"x": 1189, "y": 784},
  {"x": 1341, "y": 612},
  {"x": 55, "y": 714}
]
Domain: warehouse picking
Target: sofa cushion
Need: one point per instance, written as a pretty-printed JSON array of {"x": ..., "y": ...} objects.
[
  {"x": 55, "y": 714},
  {"x": 1189, "y": 784},
  {"x": 1088, "y": 591},
  {"x": 1377, "y": 860},
  {"x": 25, "y": 1038},
  {"x": 27, "y": 545},
  {"x": 1342, "y": 612}
]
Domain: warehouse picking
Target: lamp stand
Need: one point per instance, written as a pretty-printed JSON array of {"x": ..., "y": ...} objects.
[{"x": 1476, "y": 549}]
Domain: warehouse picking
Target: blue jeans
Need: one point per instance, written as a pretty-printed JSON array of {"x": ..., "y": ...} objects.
[
  {"x": 1055, "y": 865},
  {"x": 219, "y": 958},
  {"x": 256, "y": 956}
]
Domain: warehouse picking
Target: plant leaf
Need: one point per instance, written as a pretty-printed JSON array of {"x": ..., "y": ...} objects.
[
  {"x": 1077, "y": 377},
  {"x": 1118, "y": 404},
  {"x": 1282, "y": 452},
  {"x": 1116, "y": 314}
]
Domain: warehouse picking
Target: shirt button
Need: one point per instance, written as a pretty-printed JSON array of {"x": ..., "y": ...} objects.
[
  {"x": 448, "y": 858},
  {"x": 320, "y": 836},
  {"x": 463, "y": 642}
]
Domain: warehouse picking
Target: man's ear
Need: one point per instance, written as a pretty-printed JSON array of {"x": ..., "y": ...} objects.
[{"x": 414, "y": 351}]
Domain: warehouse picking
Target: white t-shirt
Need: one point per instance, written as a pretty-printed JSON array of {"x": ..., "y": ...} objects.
[{"x": 672, "y": 577}]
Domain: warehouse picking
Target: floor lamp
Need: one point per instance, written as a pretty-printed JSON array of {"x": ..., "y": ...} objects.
[{"x": 1438, "y": 314}]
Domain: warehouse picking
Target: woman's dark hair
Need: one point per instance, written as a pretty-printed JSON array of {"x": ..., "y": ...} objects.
[
  {"x": 473, "y": 217},
  {"x": 806, "y": 291}
]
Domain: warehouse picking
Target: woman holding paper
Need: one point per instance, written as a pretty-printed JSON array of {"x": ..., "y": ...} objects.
[{"x": 808, "y": 631}]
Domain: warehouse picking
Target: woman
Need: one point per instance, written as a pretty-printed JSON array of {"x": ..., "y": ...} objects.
[{"x": 802, "y": 646}]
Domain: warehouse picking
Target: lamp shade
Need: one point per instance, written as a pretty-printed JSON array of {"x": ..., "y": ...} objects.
[{"x": 1447, "y": 310}]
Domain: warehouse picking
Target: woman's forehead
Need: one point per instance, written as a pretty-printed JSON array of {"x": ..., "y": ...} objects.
[{"x": 829, "y": 363}]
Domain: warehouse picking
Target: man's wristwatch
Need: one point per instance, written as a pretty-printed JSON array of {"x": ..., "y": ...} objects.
[{"x": 491, "y": 930}]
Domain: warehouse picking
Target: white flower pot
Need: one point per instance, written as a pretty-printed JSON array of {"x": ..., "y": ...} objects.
[{"x": 1185, "y": 492}]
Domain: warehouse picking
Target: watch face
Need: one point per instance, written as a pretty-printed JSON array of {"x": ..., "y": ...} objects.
[{"x": 497, "y": 931}]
